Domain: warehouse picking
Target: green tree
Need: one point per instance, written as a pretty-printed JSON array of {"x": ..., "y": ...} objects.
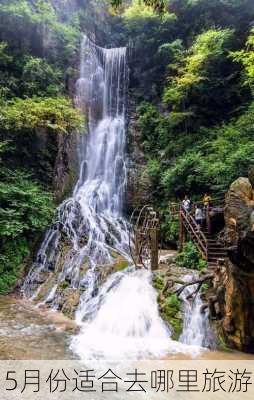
[
  {"x": 26, "y": 209},
  {"x": 41, "y": 79},
  {"x": 56, "y": 114},
  {"x": 200, "y": 69},
  {"x": 246, "y": 58}
]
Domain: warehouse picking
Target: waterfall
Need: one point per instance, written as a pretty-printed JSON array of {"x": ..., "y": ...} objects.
[
  {"x": 127, "y": 324},
  {"x": 119, "y": 318},
  {"x": 196, "y": 328},
  {"x": 91, "y": 221}
]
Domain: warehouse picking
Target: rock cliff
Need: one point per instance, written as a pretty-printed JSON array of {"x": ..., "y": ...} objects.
[
  {"x": 234, "y": 281},
  {"x": 139, "y": 188}
]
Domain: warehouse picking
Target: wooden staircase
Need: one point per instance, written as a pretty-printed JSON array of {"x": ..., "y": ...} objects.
[
  {"x": 207, "y": 244},
  {"x": 215, "y": 251}
]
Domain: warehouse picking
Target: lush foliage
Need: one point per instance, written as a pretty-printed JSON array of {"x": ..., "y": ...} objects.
[
  {"x": 156, "y": 5},
  {"x": 208, "y": 160},
  {"x": 40, "y": 78},
  {"x": 56, "y": 114},
  {"x": 190, "y": 257},
  {"x": 25, "y": 207},
  {"x": 246, "y": 58},
  {"x": 198, "y": 74},
  {"x": 169, "y": 228},
  {"x": 38, "y": 48},
  {"x": 31, "y": 21},
  {"x": 25, "y": 210},
  {"x": 12, "y": 255},
  {"x": 192, "y": 80}
]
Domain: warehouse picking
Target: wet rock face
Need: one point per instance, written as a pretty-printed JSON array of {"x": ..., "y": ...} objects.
[
  {"x": 66, "y": 166},
  {"x": 56, "y": 156},
  {"x": 237, "y": 301},
  {"x": 139, "y": 186}
]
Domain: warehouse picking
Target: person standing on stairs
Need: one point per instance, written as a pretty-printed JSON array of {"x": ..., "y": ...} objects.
[
  {"x": 199, "y": 216},
  {"x": 206, "y": 200},
  {"x": 186, "y": 204}
]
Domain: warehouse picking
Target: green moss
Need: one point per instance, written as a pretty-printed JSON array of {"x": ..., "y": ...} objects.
[
  {"x": 63, "y": 285},
  {"x": 175, "y": 323},
  {"x": 45, "y": 287},
  {"x": 169, "y": 306},
  {"x": 158, "y": 282},
  {"x": 223, "y": 345},
  {"x": 121, "y": 265},
  {"x": 204, "y": 287},
  {"x": 171, "y": 313}
]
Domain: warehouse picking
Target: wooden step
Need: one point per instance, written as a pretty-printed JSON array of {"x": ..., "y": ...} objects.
[
  {"x": 214, "y": 260},
  {"x": 216, "y": 247},
  {"x": 217, "y": 251},
  {"x": 216, "y": 256}
]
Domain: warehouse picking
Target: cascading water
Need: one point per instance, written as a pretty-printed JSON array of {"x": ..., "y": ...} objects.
[
  {"x": 196, "y": 329},
  {"x": 91, "y": 222},
  {"x": 120, "y": 318}
]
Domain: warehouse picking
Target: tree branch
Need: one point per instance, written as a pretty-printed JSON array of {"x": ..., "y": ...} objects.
[{"x": 197, "y": 281}]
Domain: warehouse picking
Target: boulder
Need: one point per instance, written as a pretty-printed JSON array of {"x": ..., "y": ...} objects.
[{"x": 236, "y": 301}]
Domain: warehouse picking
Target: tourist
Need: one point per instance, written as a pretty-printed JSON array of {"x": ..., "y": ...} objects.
[
  {"x": 186, "y": 204},
  {"x": 206, "y": 200},
  {"x": 199, "y": 216}
]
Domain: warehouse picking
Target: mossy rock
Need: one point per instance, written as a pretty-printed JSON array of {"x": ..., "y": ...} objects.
[
  {"x": 170, "y": 309},
  {"x": 45, "y": 287},
  {"x": 121, "y": 265},
  {"x": 63, "y": 285},
  {"x": 119, "y": 262},
  {"x": 70, "y": 302},
  {"x": 158, "y": 282},
  {"x": 223, "y": 345}
]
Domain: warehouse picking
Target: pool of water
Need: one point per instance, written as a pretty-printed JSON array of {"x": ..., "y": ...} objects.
[
  {"x": 31, "y": 333},
  {"x": 27, "y": 332}
]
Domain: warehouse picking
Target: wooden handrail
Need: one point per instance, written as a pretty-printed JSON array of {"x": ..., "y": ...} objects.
[
  {"x": 216, "y": 202},
  {"x": 194, "y": 230},
  {"x": 174, "y": 208}
]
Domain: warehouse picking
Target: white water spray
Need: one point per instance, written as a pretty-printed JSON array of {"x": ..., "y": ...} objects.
[
  {"x": 196, "y": 329},
  {"x": 91, "y": 221},
  {"x": 119, "y": 319}
]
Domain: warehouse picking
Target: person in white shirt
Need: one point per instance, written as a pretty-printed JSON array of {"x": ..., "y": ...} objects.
[
  {"x": 198, "y": 216},
  {"x": 186, "y": 204}
]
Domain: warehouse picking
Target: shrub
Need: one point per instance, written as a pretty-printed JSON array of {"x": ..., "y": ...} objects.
[
  {"x": 56, "y": 114},
  {"x": 169, "y": 228},
  {"x": 41, "y": 78},
  {"x": 190, "y": 257},
  {"x": 24, "y": 206},
  {"x": 12, "y": 255}
]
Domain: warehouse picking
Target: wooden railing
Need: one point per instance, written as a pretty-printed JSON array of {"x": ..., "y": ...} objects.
[
  {"x": 188, "y": 222},
  {"x": 217, "y": 202},
  {"x": 194, "y": 231},
  {"x": 174, "y": 209}
]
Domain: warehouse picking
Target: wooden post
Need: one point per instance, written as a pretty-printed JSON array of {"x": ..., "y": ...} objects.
[
  {"x": 137, "y": 246},
  {"x": 181, "y": 232},
  {"x": 154, "y": 249},
  {"x": 208, "y": 220}
]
